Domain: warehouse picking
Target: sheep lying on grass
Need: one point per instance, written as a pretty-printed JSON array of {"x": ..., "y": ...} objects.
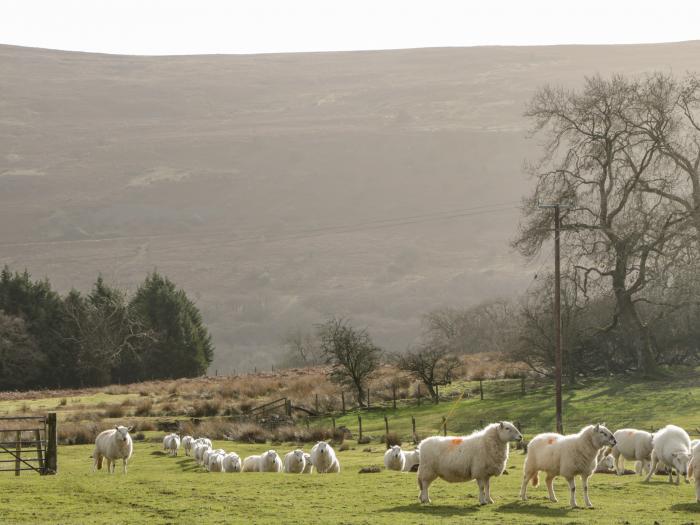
[
  {"x": 294, "y": 462},
  {"x": 566, "y": 456},
  {"x": 606, "y": 464},
  {"x": 324, "y": 459},
  {"x": 480, "y": 456},
  {"x": 267, "y": 462},
  {"x": 672, "y": 447},
  {"x": 633, "y": 445},
  {"x": 394, "y": 458},
  {"x": 113, "y": 444}
]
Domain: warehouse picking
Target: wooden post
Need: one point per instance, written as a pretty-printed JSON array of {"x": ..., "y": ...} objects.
[
  {"x": 342, "y": 401},
  {"x": 307, "y": 422},
  {"x": 386, "y": 426},
  {"x": 39, "y": 451},
  {"x": 522, "y": 386},
  {"x": 18, "y": 452},
  {"x": 317, "y": 403},
  {"x": 437, "y": 394},
  {"x": 359, "y": 424},
  {"x": 444, "y": 426},
  {"x": 418, "y": 394},
  {"x": 481, "y": 389},
  {"x": 413, "y": 424},
  {"x": 333, "y": 420},
  {"x": 368, "y": 398},
  {"x": 393, "y": 394}
]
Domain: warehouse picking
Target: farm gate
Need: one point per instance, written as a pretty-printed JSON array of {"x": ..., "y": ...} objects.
[{"x": 28, "y": 443}]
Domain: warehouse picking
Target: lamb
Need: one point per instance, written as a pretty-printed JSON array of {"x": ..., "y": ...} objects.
[
  {"x": 566, "y": 456},
  {"x": 394, "y": 458},
  {"x": 188, "y": 444},
  {"x": 412, "y": 459},
  {"x": 113, "y": 444},
  {"x": 479, "y": 456},
  {"x": 308, "y": 466},
  {"x": 294, "y": 462},
  {"x": 605, "y": 464},
  {"x": 694, "y": 468},
  {"x": 231, "y": 462},
  {"x": 632, "y": 444},
  {"x": 171, "y": 443},
  {"x": 324, "y": 459},
  {"x": 672, "y": 447},
  {"x": 267, "y": 462},
  {"x": 215, "y": 462}
]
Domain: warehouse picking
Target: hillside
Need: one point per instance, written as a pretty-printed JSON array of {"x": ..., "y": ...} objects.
[{"x": 269, "y": 186}]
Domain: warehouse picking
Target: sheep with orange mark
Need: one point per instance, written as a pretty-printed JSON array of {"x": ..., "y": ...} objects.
[
  {"x": 480, "y": 456},
  {"x": 566, "y": 456},
  {"x": 633, "y": 445}
]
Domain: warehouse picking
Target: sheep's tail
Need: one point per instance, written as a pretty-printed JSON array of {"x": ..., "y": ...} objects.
[{"x": 535, "y": 479}]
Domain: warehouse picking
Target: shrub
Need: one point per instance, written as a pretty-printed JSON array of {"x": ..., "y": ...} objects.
[
  {"x": 143, "y": 408},
  {"x": 77, "y": 434},
  {"x": 206, "y": 408},
  {"x": 63, "y": 402},
  {"x": 391, "y": 439},
  {"x": 113, "y": 412}
]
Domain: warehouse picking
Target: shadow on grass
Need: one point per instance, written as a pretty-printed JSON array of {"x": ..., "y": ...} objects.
[
  {"x": 187, "y": 465},
  {"x": 686, "y": 507},
  {"x": 536, "y": 509},
  {"x": 158, "y": 453},
  {"x": 434, "y": 510}
]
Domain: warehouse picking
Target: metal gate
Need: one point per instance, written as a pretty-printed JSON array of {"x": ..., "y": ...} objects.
[{"x": 28, "y": 443}]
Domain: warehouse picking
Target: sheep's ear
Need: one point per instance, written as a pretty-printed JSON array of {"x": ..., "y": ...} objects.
[
  {"x": 130, "y": 429},
  {"x": 116, "y": 426},
  {"x": 597, "y": 426},
  {"x": 502, "y": 424}
]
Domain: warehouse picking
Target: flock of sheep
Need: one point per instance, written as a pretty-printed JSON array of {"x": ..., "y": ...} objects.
[
  {"x": 322, "y": 457},
  {"x": 479, "y": 456}
]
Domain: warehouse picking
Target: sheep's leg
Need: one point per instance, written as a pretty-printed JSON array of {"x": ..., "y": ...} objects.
[
  {"x": 123, "y": 466},
  {"x": 482, "y": 498},
  {"x": 488, "y": 491},
  {"x": 619, "y": 462},
  {"x": 523, "y": 488},
  {"x": 697, "y": 489},
  {"x": 586, "y": 499},
  {"x": 572, "y": 491},
  {"x": 550, "y": 488},
  {"x": 424, "y": 481},
  {"x": 652, "y": 469}
]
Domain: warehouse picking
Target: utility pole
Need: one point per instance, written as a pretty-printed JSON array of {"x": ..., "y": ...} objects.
[{"x": 557, "y": 313}]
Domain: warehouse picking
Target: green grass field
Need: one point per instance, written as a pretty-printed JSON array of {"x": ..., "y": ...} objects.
[{"x": 162, "y": 489}]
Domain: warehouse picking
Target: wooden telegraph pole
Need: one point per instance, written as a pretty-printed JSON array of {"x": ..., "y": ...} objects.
[{"x": 557, "y": 313}]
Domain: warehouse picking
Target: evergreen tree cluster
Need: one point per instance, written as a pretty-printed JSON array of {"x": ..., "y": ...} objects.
[{"x": 94, "y": 339}]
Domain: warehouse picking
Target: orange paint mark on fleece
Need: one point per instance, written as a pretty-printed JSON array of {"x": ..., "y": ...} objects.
[
  {"x": 551, "y": 440},
  {"x": 457, "y": 441},
  {"x": 630, "y": 433}
]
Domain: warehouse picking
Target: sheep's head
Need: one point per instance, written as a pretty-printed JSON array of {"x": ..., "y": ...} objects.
[
  {"x": 603, "y": 437},
  {"x": 322, "y": 447},
  {"x": 299, "y": 456},
  {"x": 396, "y": 452},
  {"x": 608, "y": 462},
  {"x": 508, "y": 432},
  {"x": 271, "y": 456},
  {"x": 235, "y": 463},
  {"x": 307, "y": 458},
  {"x": 122, "y": 433},
  {"x": 680, "y": 462}
]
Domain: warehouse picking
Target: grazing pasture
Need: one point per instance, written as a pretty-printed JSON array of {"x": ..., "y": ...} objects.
[{"x": 163, "y": 489}]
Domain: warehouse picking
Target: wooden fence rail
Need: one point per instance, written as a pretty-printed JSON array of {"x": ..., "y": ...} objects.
[{"x": 38, "y": 452}]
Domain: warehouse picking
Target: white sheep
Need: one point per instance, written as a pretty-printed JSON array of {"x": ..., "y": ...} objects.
[
  {"x": 324, "y": 459},
  {"x": 672, "y": 447},
  {"x": 394, "y": 458},
  {"x": 204, "y": 441},
  {"x": 308, "y": 466},
  {"x": 694, "y": 468},
  {"x": 198, "y": 451},
  {"x": 479, "y": 456},
  {"x": 294, "y": 462},
  {"x": 113, "y": 444},
  {"x": 208, "y": 453},
  {"x": 231, "y": 462},
  {"x": 171, "y": 443},
  {"x": 412, "y": 459},
  {"x": 267, "y": 462},
  {"x": 566, "y": 456},
  {"x": 188, "y": 444},
  {"x": 633, "y": 445},
  {"x": 215, "y": 461},
  {"x": 605, "y": 464}
]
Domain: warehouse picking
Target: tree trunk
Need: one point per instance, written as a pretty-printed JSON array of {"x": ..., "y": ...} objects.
[
  {"x": 432, "y": 392},
  {"x": 636, "y": 335},
  {"x": 360, "y": 394}
]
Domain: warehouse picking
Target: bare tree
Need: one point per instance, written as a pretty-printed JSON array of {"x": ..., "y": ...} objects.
[
  {"x": 303, "y": 347},
  {"x": 617, "y": 236},
  {"x": 431, "y": 364},
  {"x": 351, "y": 352}
]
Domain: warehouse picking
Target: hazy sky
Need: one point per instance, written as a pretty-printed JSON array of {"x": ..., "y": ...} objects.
[{"x": 257, "y": 26}]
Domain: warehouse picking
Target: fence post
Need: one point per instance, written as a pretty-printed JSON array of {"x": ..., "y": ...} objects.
[
  {"x": 18, "y": 452},
  {"x": 359, "y": 424},
  {"x": 437, "y": 394},
  {"x": 342, "y": 401},
  {"x": 317, "y": 404},
  {"x": 418, "y": 394},
  {"x": 481, "y": 389},
  {"x": 386, "y": 426},
  {"x": 307, "y": 422},
  {"x": 393, "y": 394},
  {"x": 39, "y": 451},
  {"x": 522, "y": 386},
  {"x": 368, "y": 398},
  {"x": 333, "y": 420},
  {"x": 444, "y": 426},
  {"x": 413, "y": 424}
]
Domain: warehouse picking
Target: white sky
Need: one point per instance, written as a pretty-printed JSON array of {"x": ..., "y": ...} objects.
[{"x": 260, "y": 26}]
